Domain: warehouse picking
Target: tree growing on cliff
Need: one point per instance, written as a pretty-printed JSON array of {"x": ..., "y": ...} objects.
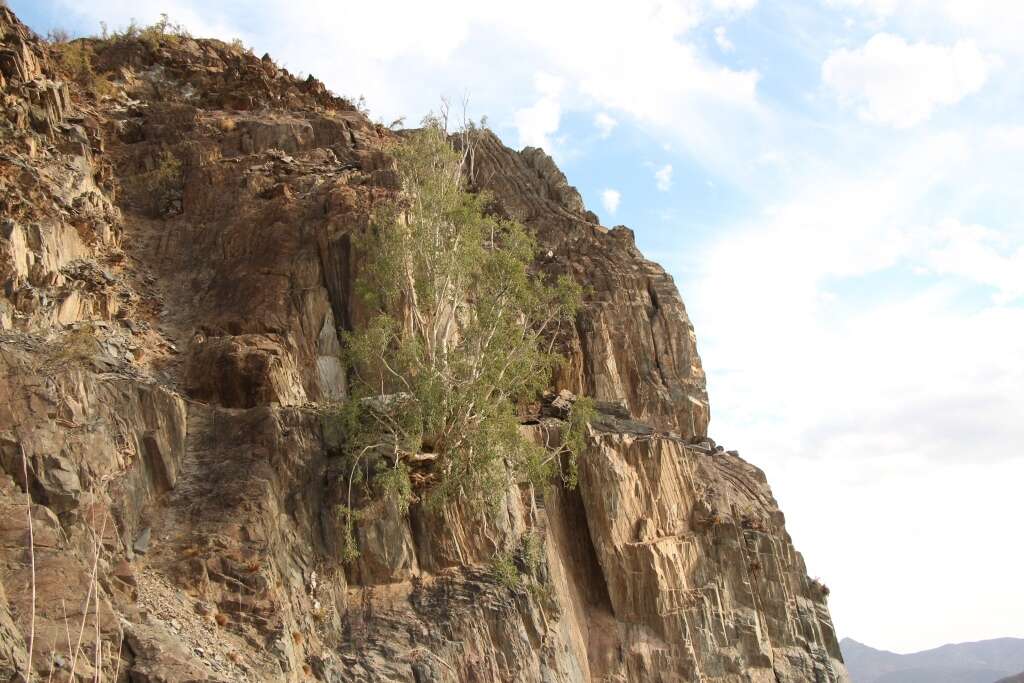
[{"x": 461, "y": 332}]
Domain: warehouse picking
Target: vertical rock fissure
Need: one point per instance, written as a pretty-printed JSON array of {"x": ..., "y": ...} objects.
[{"x": 653, "y": 318}]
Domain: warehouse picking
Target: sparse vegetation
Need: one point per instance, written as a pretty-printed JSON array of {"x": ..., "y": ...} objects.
[
  {"x": 76, "y": 56},
  {"x": 237, "y": 44},
  {"x": 522, "y": 568},
  {"x": 532, "y": 552},
  {"x": 504, "y": 571},
  {"x": 461, "y": 332},
  {"x": 58, "y": 36},
  {"x": 162, "y": 29},
  {"x": 77, "y": 59},
  {"x": 360, "y": 104}
]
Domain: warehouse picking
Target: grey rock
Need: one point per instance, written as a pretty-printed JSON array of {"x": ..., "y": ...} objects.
[{"x": 142, "y": 541}]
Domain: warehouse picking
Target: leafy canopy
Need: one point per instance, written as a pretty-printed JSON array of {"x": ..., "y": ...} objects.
[{"x": 460, "y": 332}]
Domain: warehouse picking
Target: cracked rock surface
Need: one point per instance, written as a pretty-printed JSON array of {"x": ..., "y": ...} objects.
[{"x": 164, "y": 333}]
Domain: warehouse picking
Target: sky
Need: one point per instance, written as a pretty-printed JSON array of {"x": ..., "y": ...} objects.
[{"x": 835, "y": 185}]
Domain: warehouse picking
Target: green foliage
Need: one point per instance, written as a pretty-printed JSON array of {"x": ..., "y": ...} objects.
[
  {"x": 523, "y": 566},
  {"x": 503, "y": 570},
  {"x": 460, "y": 332},
  {"x": 394, "y": 483},
  {"x": 574, "y": 440},
  {"x": 347, "y": 518},
  {"x": 463, "y": 328},
  {"x": 532, "y": 553}
]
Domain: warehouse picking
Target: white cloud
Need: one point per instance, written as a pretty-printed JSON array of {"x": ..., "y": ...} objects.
[
  {"x": 722, "y": 40},
  {"x": 605, "y": 124},
  {"x": 539, "y": 121},
  {"x": 992, "y": 23},
  {"x": 663, "y": 178},
  {"x": 901, "y": 84},
  {"x": 980, "y": 255},
  {"x": 996, "y": 22},
  {"x": 880, "y": 7},
  {"x": 733, "y": 5},
  {"x": 770, "y": 158},
  {"x": 610, "y": 200},
  {"x": 653, "y": 73},
  {"x": 830, "y": 360},
  {"x": 1010, "y": 137}
]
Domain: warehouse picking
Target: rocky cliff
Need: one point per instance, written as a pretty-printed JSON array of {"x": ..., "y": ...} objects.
[{"x": 176, "y": 265}]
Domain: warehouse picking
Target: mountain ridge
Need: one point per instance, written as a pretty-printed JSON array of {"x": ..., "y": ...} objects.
[{"x": 984, "y": 661}]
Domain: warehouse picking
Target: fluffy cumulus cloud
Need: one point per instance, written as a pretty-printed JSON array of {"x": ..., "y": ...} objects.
[
  {"x": 539, "y": 121},
  {"x": 604, "y": 123},
  {"x": 898, "y": 83},
  {"x": 663, "y": 178},
  {"x": 722, "y": 40},
  {"x": 610, "y": 200}
]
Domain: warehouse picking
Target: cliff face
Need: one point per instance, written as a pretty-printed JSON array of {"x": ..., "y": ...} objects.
[{"x": 176, "y": 264}]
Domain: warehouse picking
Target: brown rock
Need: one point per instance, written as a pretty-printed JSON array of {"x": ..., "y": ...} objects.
[{"x": 670, "y": 562}]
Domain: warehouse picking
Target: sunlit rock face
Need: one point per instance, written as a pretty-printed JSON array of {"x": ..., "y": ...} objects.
[{"x": 161, "y": 344}]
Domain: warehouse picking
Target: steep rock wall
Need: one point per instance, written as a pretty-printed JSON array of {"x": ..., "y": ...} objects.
[
  {"x": 160, "y": 349},
  {"x": 634, "y": 344}
]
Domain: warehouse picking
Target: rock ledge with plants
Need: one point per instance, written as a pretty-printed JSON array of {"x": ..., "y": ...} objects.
[{"x": 289, "y": 395}]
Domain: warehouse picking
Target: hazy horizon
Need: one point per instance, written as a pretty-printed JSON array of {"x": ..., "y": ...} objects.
[
  {"x": 835, "y": 188},
  {"x": 926, "y": 649}
]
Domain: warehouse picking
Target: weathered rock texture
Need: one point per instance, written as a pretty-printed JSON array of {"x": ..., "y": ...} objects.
[{"x": 176, "y": 264}]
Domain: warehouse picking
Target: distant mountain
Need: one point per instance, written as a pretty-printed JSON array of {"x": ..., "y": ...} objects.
[{"x": 987, "y": 661}]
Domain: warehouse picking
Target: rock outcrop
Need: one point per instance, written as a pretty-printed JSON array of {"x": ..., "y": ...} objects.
[{"x": 176, "y": 264}]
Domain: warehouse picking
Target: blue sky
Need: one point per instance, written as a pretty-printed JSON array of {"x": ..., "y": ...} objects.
[{"x": 834, "y": 184}]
